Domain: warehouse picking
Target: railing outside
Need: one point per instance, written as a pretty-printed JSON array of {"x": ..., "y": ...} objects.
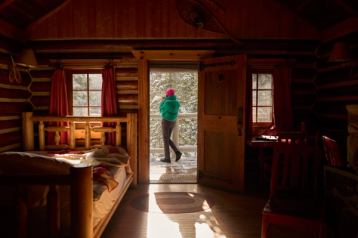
[{"x": 191, "y": 148}]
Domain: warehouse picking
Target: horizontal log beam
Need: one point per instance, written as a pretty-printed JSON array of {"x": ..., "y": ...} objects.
[
  {"x": 124, "y": 46},
  {"x": 341, "y": 29},
  {"x": 9, "y": 118},
  {"x": 10, "y": 147}
]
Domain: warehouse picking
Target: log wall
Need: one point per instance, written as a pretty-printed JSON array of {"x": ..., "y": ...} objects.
[
  {"x": 126, "y": 78},
  {"x": 300, "y": 57},
  {"x": 337, "y": 86},
  {"x": 14, "y": 99}
]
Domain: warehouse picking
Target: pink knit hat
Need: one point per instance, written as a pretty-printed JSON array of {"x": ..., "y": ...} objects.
[{"x": 170, "y": 92}]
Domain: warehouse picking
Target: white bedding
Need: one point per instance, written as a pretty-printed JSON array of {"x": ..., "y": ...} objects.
[{"x": 104, "y": 205}]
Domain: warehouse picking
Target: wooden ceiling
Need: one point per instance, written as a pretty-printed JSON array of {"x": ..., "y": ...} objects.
[
  {"x": 16, "y": 16},
  {"x": 323, "y": 14}
]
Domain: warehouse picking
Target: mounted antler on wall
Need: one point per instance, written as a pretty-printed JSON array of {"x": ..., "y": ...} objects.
[
  {"x": 25, "y": 61},
  {"x": 14, "y": 72},
  {"x": 197, "y": 15},
  {"x": 204, "y": 14}
]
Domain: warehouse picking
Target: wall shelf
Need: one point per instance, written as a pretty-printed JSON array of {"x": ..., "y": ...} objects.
[
  {"x": 338, "y": 85},
  {"x": 127, "y": 87},
  {"x": 338, "y": 66},
  {"x": 337, "y": 98},
  {"x": 127, "y": 78}
]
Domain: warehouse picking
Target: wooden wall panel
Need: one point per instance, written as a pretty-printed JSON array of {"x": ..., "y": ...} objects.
[
  {"x": 304, "y": 92},
  {"x": 14, "y": 98},
  {"x": 139, "y": 19},
  {"x": 127, "y": 88},
  {"x": 301, "y": 59},
  {"x": 126, "y": 78},
  {"x": 337, "y": 87},
  {"x": 40, "y": 89},
  {"x": 41, "y": 86},
  {"x": 14, "y": 108},
  {"x": 13, "y": 138},
  {"x": 40, "y": 102},
  {"x": 10, "y": 122},
  {"x": 16, "y": 93}
]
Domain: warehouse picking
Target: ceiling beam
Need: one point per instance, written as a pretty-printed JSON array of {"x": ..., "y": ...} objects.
[
  {"x": 347, "y": 7},
  {"x": 48, "y": 14},
  {"x": 4, "y": 4},
  {"x": 301, "y": 6},
  {"x": 10, "y": 31},
  {"x": 341, "y": 29}
]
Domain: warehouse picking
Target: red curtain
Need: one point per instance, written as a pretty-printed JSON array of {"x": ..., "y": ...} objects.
[
  {"x": 282, "y": 99},
  {"x": 58, "y": 101},
  {"x": 109, "y": 99}
]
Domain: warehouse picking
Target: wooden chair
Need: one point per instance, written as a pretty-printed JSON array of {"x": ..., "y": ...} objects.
[
  {"x": 295, "y": 198},
  {"x": 266, "y": 156},
  {"x": 331, "y": 152}
]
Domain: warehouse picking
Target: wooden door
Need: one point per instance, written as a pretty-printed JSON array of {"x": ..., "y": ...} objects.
[{"x": 221, "y": 132}]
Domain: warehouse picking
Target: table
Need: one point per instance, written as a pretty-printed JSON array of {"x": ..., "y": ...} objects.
[{"x": 264, "y": 151}]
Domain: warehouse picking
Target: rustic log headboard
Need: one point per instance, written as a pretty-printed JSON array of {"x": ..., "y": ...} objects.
[{"x": 89, "y": 124}]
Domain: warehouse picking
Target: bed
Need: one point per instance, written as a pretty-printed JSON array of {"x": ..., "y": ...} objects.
[{"x": 78, "y": 186}]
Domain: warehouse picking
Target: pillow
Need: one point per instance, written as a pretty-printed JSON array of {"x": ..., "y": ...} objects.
[{"x": 110, "y": 154}]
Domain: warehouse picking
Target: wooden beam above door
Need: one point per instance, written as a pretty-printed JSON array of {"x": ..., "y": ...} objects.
[{"x": 172, "y": 55}]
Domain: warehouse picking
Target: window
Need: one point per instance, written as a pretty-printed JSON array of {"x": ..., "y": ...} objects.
[
  {"x": 86, "y": 94},
  {"x": 262, "y": 98}
]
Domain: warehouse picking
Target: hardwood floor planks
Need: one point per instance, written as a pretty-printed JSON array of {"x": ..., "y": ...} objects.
[{"x": 232, "y": 216}]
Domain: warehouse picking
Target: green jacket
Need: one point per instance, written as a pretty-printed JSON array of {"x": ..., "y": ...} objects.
[{"x": 169, "y": 108}]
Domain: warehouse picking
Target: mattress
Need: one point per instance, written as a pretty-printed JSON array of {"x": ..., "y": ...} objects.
[
  {"x": 104, "y": 205},
  {"x": 110, "y": 179}
]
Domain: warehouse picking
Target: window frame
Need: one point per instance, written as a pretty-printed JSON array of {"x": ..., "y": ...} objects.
[
  {"x": 261, "y": 124},
  {"x": 264, "y": 65},
  {"x": 70, "y": 90}
]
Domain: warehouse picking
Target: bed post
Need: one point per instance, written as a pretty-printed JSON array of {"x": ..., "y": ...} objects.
[
  {"x": 87, "y": 136},
  {"x": 81, "y": 202},
  {"x": 27, "y": 131},
  {"x": 118, "y": 134},
  {"x": 132, "y": 143},
  {"x": 72, "y": 135}
]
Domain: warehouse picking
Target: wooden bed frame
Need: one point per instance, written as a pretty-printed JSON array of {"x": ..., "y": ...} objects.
[{"x": 80, "y": 177}]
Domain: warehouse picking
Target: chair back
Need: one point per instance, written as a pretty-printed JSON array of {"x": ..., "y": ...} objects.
[
  {"x": 331, "y": 152},
  {"x": 295, "y": 167}
]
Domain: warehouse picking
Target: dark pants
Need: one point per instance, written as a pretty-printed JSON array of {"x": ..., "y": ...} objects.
[{"x": 167, "y": 128}]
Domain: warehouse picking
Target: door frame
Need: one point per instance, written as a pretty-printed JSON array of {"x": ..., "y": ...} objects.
[{"x": 144, "y": 57}]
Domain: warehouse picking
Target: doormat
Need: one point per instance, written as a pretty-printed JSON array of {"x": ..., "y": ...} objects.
[
  {"x": 173, "y": 202},
  {"x": 178, "y": 178}
]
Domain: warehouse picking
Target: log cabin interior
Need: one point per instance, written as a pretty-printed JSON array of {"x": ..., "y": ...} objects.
[{"x": 267, "y": 68}]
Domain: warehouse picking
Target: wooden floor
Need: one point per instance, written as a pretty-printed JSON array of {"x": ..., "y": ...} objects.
[{"x": 233, "y": 215}]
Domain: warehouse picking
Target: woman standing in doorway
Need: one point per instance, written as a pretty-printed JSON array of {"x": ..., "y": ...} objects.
[{"x": 169, "y": 109}]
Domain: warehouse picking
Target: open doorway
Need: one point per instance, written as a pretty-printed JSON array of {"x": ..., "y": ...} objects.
[{"x": 184, "y": 79}]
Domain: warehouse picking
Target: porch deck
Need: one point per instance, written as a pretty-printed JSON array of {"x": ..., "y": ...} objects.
[{"x": 183, "y": 171}]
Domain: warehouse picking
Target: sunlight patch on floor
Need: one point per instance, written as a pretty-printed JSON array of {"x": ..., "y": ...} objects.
[
  {"x": 160, "y": 225},
  {"x": 204, "y": 230},
  {"x": 184, "y": 225}
]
